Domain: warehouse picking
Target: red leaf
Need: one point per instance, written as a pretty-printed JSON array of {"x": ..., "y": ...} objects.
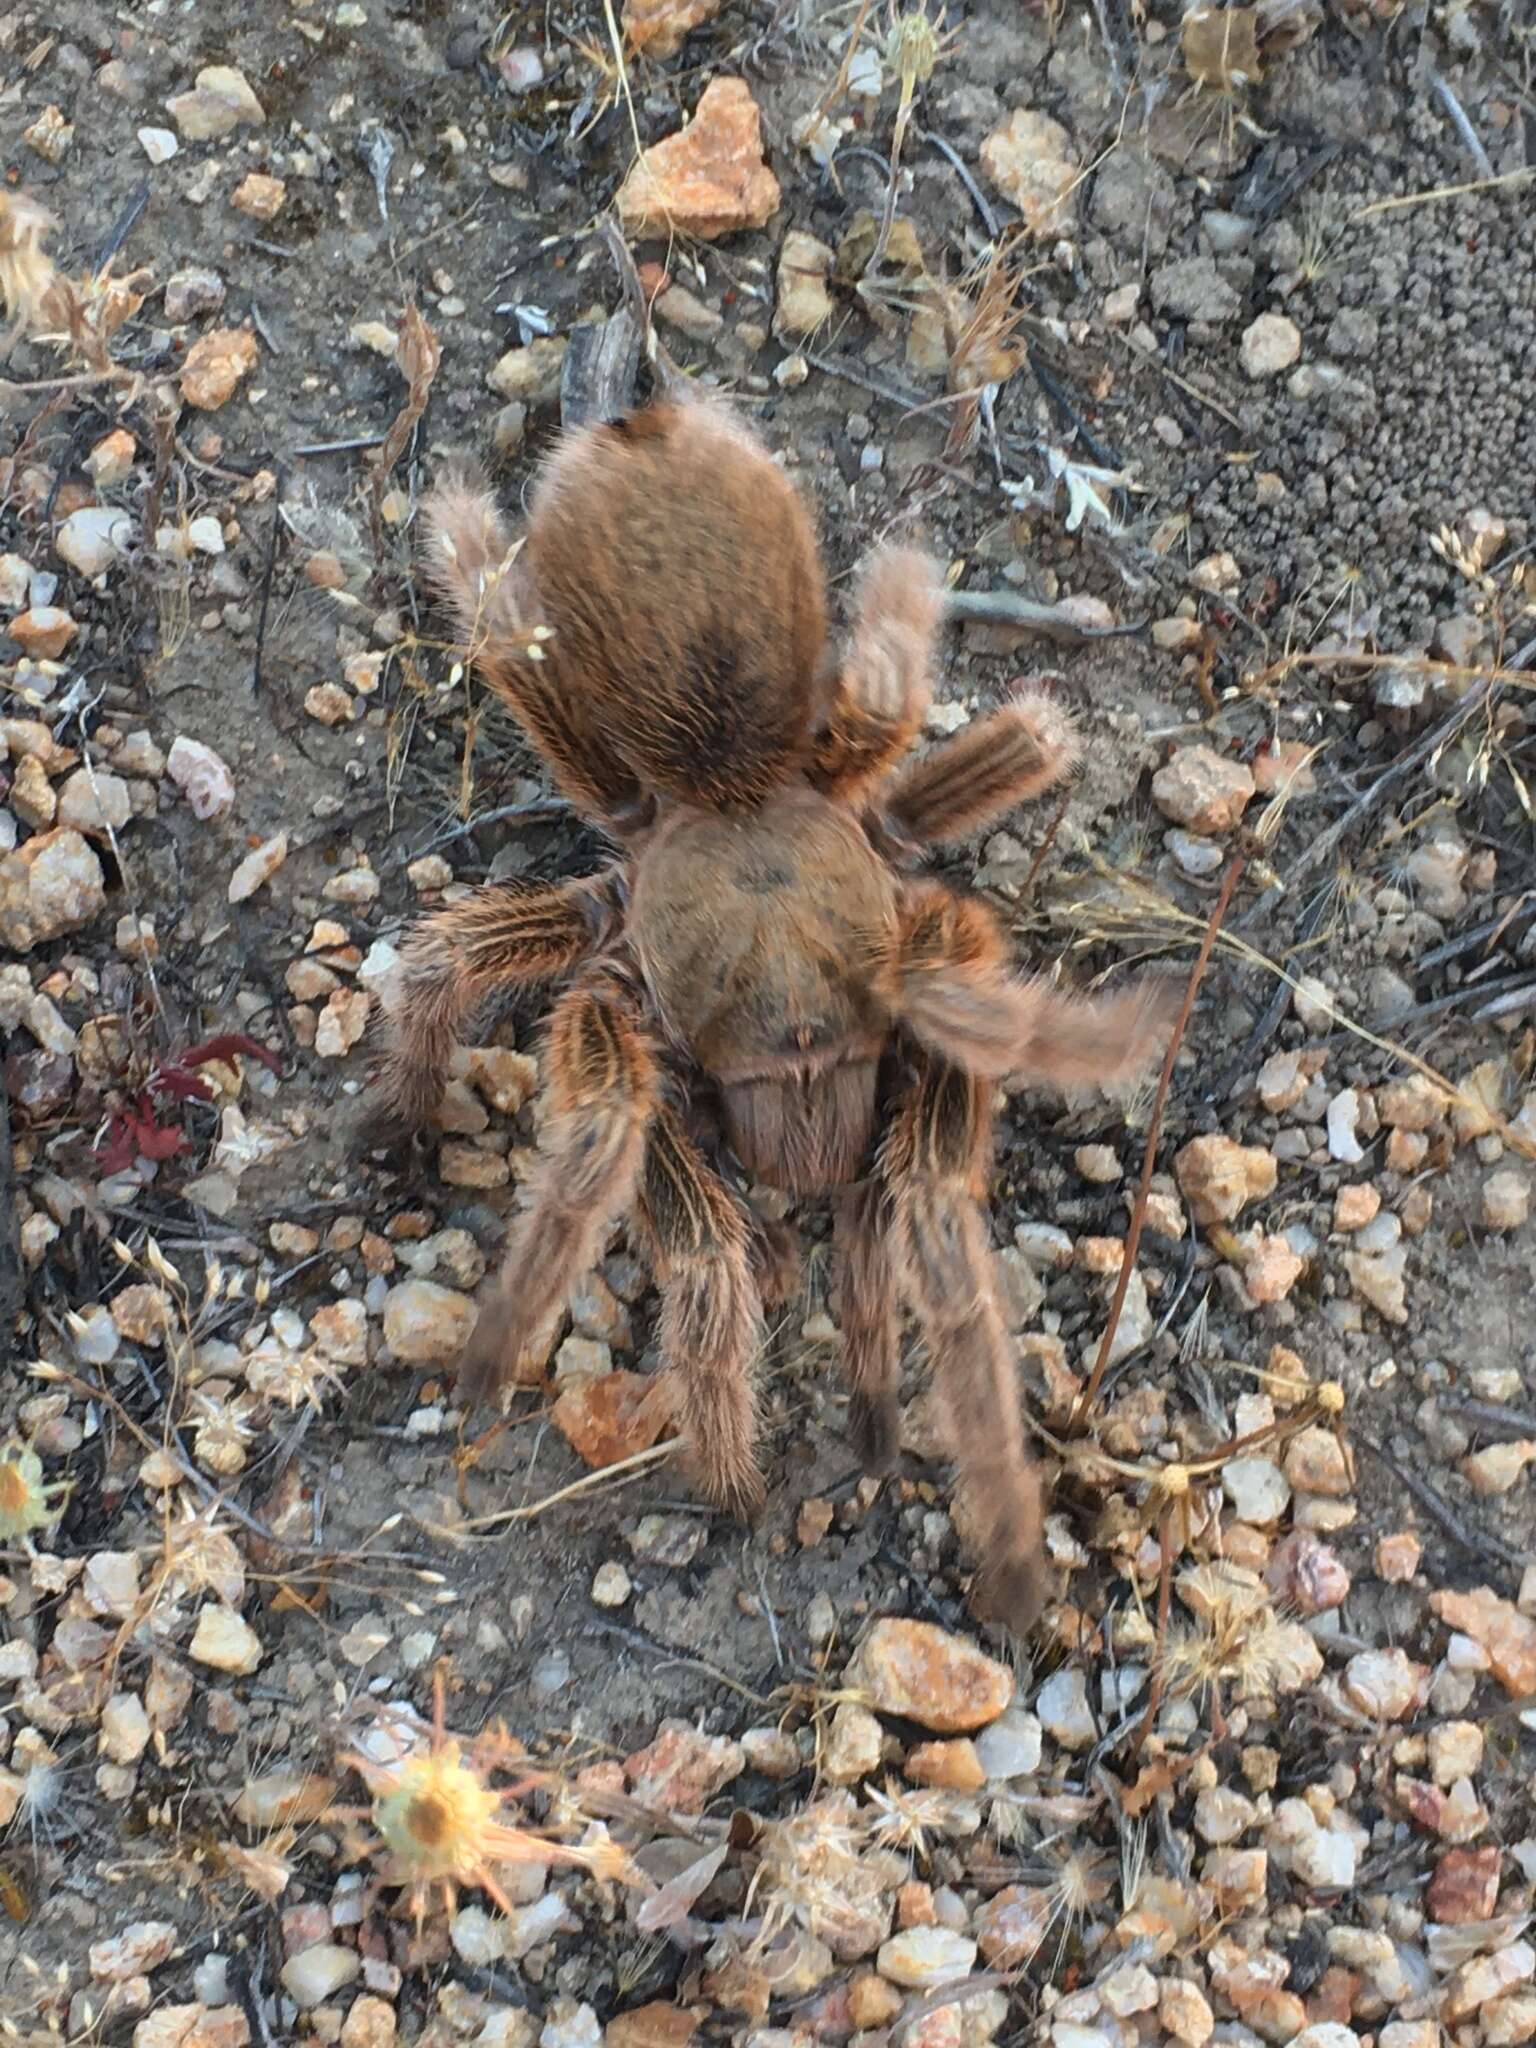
[
  {"x": 225, "y": 1046},
  {"x": 157, "y": 1141},
  {"x": 172, "y": 1080},
  {"x": 118, "y": 1151}
]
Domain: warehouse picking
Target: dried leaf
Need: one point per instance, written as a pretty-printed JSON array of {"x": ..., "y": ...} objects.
[{"x": 1221, "y": 47}]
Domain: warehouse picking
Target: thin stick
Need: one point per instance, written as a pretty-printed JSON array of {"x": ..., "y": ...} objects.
[
  {"x": 1471, "y": 140},
  {"x": 640, "y": 1461},
  {"x": 1089, "y": 1395},
  {"x": 269, "y": 569},
  {"x": 1052, "y": 621},
  {"x": 1044, "y": 852},
  {"x": 1479, "y": 1543},
  {"x": 1402, "y": 199},
  {"x": 13, "y": 1279},
  {"x": 957, "y": 164},
  {"x": 1164, "y": 1607}
]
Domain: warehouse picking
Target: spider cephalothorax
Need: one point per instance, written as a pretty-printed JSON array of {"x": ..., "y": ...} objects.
[{"x": 761, "y": 974}]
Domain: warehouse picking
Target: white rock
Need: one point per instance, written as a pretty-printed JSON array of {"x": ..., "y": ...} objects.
[
  {"x": 257, "y": 868},
  {"x": 96, "y": 802},
  {"x": 1062, "y": 1706},
  {"x": 611, "y": 1584},
  {"x": 206, "y": 535},
  {"x": 314, "y": 1974},
  {"x": 920, "y": 1957},
  {"x": 124, "y": 1730},
  {"x": 1044, "y": 1244},
  {"x": 571, "y": 2026},
  {"x": 529, "y": 1927},
  {"x": 1326, "y": 2034},
  {"x": 1343, "y": 1115},
  {"x": 1257, "y": 1489},
  {"x": 1271, "y": 344},
  {"x": 158, "y": 144},
  {"x": 93, "y": 539},
  {"x": 225, "y": 1641},
  {"x": 424, "y": 1323},
  {"x": 202, "y": 777},
  {"x": 220, "y": 101},
  {"x": 1222, "y": 1814},
  {"x": 1010, "y": 1748},
  {"x": 1384, "y": 1683},
  {"x": 1326, "y": 1859},
  {"x": 478, "y": 1937},
  {"x": 853, "y": 1745}
]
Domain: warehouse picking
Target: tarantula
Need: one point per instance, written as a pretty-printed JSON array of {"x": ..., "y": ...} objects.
[{"x": 761, "y": 978}]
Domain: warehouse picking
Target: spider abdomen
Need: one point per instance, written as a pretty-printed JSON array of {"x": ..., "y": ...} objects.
[{"x": 677, "y": 568}]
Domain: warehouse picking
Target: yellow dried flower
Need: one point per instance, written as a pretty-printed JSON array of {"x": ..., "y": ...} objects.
[
  {"x": 28, "y": 1501},
  {"x": 438, "y": 1815}
]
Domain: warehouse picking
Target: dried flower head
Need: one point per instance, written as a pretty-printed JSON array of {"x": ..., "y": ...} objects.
[
  {"x": 438, "y": 1815},
  {"x": 277, "y": 1372},
  {"x": 902, "y": 1817},
  {"x": 28, "y": 1501},
  {"x": 914, "y": 45},
  {"x": 27, "y": 274}
]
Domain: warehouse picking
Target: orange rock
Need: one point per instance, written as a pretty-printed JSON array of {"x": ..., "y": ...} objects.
[
  {"x": 953, "y": 1766},
  {"x": 1397, "y": 1557},
  {"x": 1504, "y": 1632},
  {"x": 872, "y": 2002},
  {"x": 683, "y": 1768},
  {"x": 43, "y": 632},
  {"x": 936, "y": 1679},
  {"x": 1355, "y": 1205},
  {"x": 1011, "y": 1926},
  {"x": 259, "y": 196},
  {"x": 612, "y": 1416},
  {"x": 657, "y": 2025},
  {"x": 709, "y": 179},
  {"x": 656, "y": 28},
  {"x": 215, "y": 365},
  {"x": 1271, "y": 1269},
  {"x": 1333, "y": 1997},
  {"x": 1219, "y": 1177}
]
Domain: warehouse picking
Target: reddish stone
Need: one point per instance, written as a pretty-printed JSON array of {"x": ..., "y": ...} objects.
[
  {"x": 1465, "y": 1886},
  {"x": 613, "y": 1416}
]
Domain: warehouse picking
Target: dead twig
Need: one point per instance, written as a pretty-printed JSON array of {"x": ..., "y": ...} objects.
[
  {"x": 1475, "y": 1540},
  {"x": 267, "y": 572},
  {"x": 1089, "y": 1395},
  {"x": 13, "y": 1286},
  {"x": 1053, "y": 621}
]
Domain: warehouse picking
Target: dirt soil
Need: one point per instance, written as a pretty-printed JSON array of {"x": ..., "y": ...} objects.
[{"x": 1271, "y": 531}]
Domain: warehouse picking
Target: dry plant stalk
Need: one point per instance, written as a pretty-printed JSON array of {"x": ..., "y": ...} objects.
[
  {"x": 417, "y": 356},
  {"x": 983, "y": 339},
  {"x": 40, "y": 300}
]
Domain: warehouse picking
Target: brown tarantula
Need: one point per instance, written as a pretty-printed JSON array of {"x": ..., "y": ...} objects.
[{"x": 761, "y": 974}]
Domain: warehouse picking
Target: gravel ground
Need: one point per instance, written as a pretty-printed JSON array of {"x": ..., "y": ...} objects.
[{"x": 1246, "y": 301}]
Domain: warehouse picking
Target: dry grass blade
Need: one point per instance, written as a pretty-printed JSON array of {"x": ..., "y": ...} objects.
[
  {"x": 1090, "y": 1393},
  {"x": 641, "y": 1461}
]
